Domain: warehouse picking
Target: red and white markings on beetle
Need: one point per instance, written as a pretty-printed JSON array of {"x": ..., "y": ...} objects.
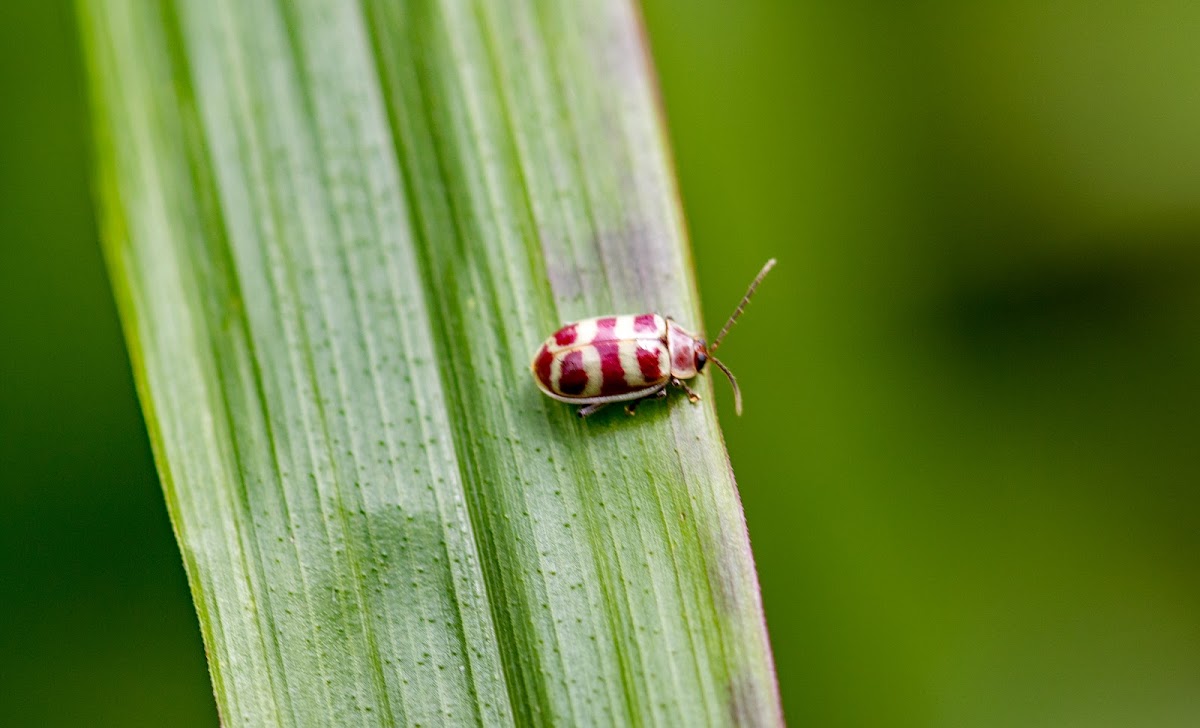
[{"x": 628, "y": 358}]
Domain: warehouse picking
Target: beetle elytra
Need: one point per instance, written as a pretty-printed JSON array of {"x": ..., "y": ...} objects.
[{"x": 629, "y": 358}]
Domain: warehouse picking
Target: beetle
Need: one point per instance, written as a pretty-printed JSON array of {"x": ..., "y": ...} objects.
[{"x": 629, "y": 358}]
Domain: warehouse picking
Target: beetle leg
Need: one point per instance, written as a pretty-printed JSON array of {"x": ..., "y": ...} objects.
[
  {"x": 585, "y": 411},
  {"x": 692, "y": 396},
  {"x": 659, "y": 393}
]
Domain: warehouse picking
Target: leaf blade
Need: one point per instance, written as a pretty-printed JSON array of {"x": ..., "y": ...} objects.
[{"x": 351, "y": 232}]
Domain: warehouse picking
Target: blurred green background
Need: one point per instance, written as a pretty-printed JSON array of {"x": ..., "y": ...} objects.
[{"x": 970, "y": 456}]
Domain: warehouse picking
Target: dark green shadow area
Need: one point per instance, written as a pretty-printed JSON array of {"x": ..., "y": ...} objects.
[{"x": 98, "y": 626}]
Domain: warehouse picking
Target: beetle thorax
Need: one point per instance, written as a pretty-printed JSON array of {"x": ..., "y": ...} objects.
[{"x": 683, "y": 346}]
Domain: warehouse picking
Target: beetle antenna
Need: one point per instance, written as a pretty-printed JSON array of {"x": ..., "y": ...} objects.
[
  {"x": 738, "y": 312},
  {"x": 737, "y": 393}
]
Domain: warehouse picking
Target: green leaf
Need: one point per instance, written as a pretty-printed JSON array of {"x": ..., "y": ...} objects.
[{"x": 337, "y": 233}]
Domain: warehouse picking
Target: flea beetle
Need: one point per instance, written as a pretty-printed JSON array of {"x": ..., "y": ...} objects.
[{"x": 628, "y": 358}]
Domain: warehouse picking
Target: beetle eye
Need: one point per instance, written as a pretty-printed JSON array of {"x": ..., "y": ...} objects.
[{"x": 701, "y": 360}]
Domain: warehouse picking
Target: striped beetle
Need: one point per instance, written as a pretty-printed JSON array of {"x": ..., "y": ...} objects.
[{"x": 598, "y": 361}]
